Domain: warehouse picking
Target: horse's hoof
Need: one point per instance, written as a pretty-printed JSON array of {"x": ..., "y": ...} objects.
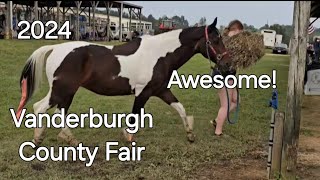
[
  {"x": 74, "y": 142},
  {"x": 36, "y": 144},
  {"x": 70, "y": 140},
  {"x": 127, "y": 136},
  {"x": 191, "y": 137}
]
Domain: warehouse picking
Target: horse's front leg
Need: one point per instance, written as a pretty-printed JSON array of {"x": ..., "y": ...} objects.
[
  {"x": 171, "y": 100},
  {"x": 139, "y": 103}
]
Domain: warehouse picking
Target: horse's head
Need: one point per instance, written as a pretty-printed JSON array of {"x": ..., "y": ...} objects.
[{"x": 211, "y": 46}]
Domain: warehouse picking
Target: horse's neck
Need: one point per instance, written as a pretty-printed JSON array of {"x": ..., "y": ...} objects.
[
  {"x": 179, "y": 53},
  {"x": 181, "y": 56},
  {"x": 167, "y": 44}
]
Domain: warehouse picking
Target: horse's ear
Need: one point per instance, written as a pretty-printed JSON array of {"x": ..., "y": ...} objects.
[{"x": 213, "y": 25}]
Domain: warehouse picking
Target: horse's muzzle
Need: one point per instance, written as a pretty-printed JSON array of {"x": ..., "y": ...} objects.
[{"x": 224, "y": 67}]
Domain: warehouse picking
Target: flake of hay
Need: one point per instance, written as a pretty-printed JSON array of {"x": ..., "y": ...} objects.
[{"x": 245, "y": 49}]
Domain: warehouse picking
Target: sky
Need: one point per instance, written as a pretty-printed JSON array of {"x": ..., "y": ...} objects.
[{"x": 257, "y": 13}]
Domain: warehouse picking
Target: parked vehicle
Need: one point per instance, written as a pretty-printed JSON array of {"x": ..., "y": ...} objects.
[
  {"x": 280, "y": 49},
  {"x": 167, "y": 25}
]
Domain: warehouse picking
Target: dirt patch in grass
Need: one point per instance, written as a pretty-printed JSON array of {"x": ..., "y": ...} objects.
[{"x": 252, "y": 166}]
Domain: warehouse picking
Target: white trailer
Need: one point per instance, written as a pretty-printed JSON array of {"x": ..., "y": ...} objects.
[
  {"x": 279, "y": 38},
  {"x": 269, "y": 37}
]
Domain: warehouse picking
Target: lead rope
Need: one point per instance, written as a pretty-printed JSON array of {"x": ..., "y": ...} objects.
[
  {"x": 236, "y": 113},
  {"x": 238, "y": 96}
]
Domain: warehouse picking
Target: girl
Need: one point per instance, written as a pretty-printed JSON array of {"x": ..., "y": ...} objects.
[{"x": 234, "y": 28}]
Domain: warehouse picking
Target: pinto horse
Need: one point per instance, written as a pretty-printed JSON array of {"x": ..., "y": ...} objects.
[{"x": 141, "y": 67}]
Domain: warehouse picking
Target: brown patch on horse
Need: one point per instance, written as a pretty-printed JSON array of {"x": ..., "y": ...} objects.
[{"x": 93, "y": 67}]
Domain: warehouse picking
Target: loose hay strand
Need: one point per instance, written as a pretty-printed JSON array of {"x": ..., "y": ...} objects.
[{"x": 245, "y": 49}]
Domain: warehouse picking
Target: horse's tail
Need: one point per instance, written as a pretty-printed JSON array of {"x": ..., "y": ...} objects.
[{"x": 31, "y": 75}]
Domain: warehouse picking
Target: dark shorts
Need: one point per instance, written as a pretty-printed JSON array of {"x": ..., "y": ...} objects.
[{"x": 215, "y": 72}]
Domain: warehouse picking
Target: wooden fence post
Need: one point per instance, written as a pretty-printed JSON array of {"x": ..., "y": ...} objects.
[
  {"x": 301, "y": 15},
  {"x": 8, "y": 27},
  {"x": 77, "y": 33},
  {"x": 277, "y": 145},
  {"x": 273, "y": 112},
  {"x": 58, "y": 16},
  {"x": 120, "y": 21}
]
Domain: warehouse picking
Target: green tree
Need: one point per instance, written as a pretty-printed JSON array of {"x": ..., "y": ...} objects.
[
  {"x": 180, "y": 22},
  {"x": 202, "y": 21},
  {"x": 250, "y": 28},
  {"x": 153, "y": 20},
  {"x": 266, "y": 26}
]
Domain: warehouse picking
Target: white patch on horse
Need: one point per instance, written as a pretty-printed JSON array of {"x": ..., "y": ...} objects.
[
  {"x": 179, "y": 107},
  {"x": 145, "y": 36},
  {"x": 187, "y": 120},
  {"x": 138, "y": 67},
  {"x": 59, "y": 53}
]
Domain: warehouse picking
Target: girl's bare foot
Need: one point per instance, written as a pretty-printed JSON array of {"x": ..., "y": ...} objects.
[{"x": 214, "y": 123}]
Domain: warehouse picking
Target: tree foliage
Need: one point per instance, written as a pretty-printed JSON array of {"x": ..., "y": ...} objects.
[
  {"x": 250, "y": 28},
  {"x": 202, "y": 21}
]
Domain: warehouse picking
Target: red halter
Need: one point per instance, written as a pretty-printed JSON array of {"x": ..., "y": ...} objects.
[{"x": 208, "y": 43}]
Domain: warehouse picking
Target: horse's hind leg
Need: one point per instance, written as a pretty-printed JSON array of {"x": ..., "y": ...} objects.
[
  {"x": 66, "y": 134},
  {"x": 171, "y": 100},
  {"x": 62, "y": 96},
  {"x": 41, "y": 107}
]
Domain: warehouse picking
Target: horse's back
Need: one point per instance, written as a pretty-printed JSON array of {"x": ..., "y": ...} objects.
[
  {"x": 75, "y": 44},
  {"x": 68, "y": 51}
]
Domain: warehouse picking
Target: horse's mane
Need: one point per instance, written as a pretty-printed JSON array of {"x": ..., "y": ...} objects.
[
  {"x": 191, "y": 29},
  {"x": 196, "y": 32},
  {"x": 184, "y": 30}
]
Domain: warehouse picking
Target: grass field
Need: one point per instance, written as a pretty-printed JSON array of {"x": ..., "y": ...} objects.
[{"x": 168, "y": 155}]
